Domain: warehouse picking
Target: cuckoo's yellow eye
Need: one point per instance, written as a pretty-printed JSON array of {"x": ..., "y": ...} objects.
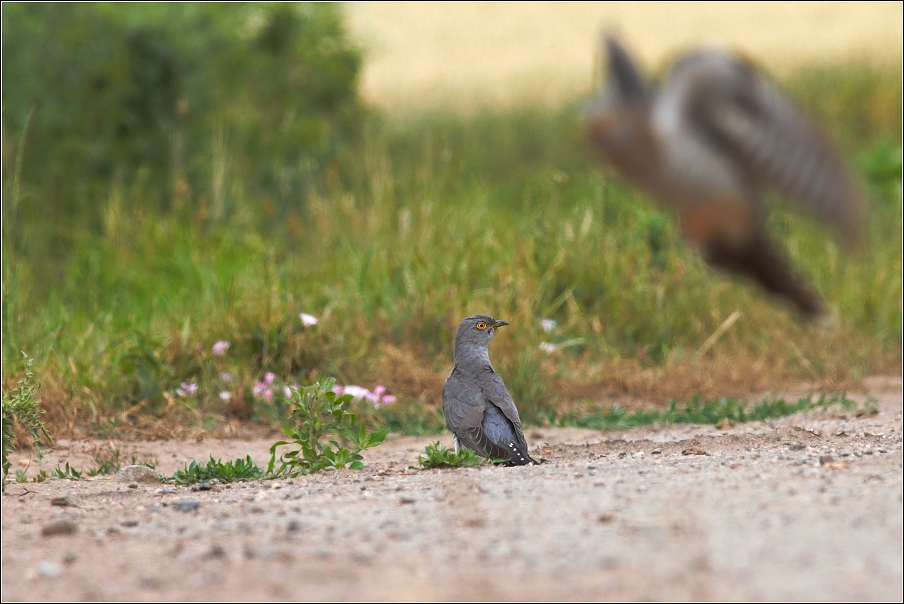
[{"x": 481, "y": 325}]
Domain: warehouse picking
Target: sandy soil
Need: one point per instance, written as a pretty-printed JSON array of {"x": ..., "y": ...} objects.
[
  {"x": 808, "y": 507},
  {"x": 465, "y": 55}
]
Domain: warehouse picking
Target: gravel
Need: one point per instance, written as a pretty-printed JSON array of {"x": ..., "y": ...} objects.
[{"x": 748, "y": 520}]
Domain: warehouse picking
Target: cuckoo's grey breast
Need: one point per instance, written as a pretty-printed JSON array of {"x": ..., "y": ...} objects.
[{"x": 478, "y": 408}]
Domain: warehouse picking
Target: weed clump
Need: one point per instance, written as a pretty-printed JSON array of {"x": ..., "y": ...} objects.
[
  {"x": 438, "y": 455},
  {"x": 20, "y": 405},
  {"x": 229, "y": 471},
  {"x": 319, "y": 413}
]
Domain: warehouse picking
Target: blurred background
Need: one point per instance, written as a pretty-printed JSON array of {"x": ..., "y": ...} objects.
[{"x": 188, "y": 187}]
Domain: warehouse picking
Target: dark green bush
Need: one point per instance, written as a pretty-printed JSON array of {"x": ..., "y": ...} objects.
[{"x": 178, "y": 101}]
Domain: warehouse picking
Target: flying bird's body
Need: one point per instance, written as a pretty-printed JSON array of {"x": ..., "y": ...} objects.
[
  {"x": 708, "y": 144},
  {"x": 478, "y": 409}
]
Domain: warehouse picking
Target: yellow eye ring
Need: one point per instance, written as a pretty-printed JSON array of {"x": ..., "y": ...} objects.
[{"x": 481, "y": 325}]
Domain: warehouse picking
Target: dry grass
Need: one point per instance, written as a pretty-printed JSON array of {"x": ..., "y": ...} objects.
[{"x": 462, "y": 56}]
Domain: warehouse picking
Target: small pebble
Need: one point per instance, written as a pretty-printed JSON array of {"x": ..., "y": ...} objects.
[
  {"x": 187, "y": 506},
  {"x": 795, "y": 446},
  {"x": 67, "y": 500},
  {"x": 406, "y": 500},
  {"x": 49, "y": 569},
  {"x": 137, "y": 474},
  {"x": 71, "y": 556},
  {"x": 133, "y": 485},
  {"x": 216, "y": 552},
  {"x": 130, "y": 522},
  {"x": 294, "y": 526},
  {"x": 656, "y": 451},
  {"x": 62, "y": 526}
]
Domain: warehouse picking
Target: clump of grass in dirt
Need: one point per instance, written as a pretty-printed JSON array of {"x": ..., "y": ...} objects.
[
  {"x": 66, "y": 473},
  {"x": 20, "y": 406},
  {"x": 438, "y": 455},
  {"x": 699, "y": 412},
  {"x": 229, "y": 471},
  {"x": 319, "y": 413},
  {"x": 111, "y": 460}
]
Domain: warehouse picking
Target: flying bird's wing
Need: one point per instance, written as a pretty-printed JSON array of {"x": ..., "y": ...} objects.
[
  {"x": 463, "y": 407},
  {"x": 777, "y": 147}
]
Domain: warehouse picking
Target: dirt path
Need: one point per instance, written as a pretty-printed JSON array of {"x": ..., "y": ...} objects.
[{"x": 806, "y": 508}]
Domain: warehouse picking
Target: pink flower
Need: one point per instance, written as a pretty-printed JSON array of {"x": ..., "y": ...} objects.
[
  {"x": 220, "y": 348},
  {"x": 339, "y": 390},
  {"x": 259, "y": 388},
  {"x": 269, "y": 377},
  {"x": 268, "y": 395},
  {"x": 225, "y": 376},
  {"x": 186, "y": 389},
  {"x": 307, "y": 320},
  {"x": 388, "y": 399}
]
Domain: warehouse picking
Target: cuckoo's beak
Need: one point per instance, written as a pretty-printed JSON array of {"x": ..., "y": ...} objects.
[{"x": 499, "y": 324}]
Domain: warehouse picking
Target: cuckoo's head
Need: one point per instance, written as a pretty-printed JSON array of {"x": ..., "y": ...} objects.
[
  {"x": 475, "y": 333},
  {"x": 617, "y": 120}
]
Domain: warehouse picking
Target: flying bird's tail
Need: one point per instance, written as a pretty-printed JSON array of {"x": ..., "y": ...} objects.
[{"x": 764, "y": 263}]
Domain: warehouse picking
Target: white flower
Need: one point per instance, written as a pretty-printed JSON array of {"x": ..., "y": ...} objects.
[
  {"x": 220, "y": 348},
  {"x": 225, "y": 395},
  {"x": 356, "y": 391},
  {"x": 307, "y": 320},
  {"x": 548, "y": 325},
  {"x": 548, "y": 348}
]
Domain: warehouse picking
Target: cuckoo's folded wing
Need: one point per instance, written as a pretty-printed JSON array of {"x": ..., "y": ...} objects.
[
  {"x": 771, "y": 139},
  {"x": 496, "y": 392},
  {"x": 478, "y": 440}
]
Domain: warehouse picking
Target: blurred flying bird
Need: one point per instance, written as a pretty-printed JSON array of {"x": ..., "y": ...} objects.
[
  {"x": 708, "y": 143},
  {"x": 478, "y": 409}
]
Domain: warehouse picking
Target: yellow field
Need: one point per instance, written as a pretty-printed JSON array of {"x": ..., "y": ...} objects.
[{"x": 428, "y": 55}]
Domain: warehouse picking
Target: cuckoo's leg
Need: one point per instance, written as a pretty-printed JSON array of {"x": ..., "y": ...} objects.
[{"x": 760, "y": 260}]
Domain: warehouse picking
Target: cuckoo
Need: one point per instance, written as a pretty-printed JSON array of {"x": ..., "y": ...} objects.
[
  {"x": 708, "y": 143},
  {"x": 478, "y": 408}
]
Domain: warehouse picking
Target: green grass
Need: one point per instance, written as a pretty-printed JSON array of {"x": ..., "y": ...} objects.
[
  {"x": 437, "y": 455},
  {"x": 228, "y": 471},
  {"x": 698, "y": 411},
  {"x": 422, "y": 223}
]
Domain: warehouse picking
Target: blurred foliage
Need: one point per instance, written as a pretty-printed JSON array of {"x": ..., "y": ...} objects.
[
  {"x": 698, "y": 411},
  {"x": 179, "y": 174},
  {"x": 164, "y": 100}
]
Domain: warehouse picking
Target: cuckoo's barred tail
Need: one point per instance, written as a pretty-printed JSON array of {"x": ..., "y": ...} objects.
[{"x": 765, "y": 264}]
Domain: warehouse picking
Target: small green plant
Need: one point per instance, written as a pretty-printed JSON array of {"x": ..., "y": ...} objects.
[
  {"x": 21, "y": 405},
  {"x": 438, "y": 455},
  {"x": 67, "y": 473},
  {"x": 109, "y": 464},
  {"x": 21, "y": 477},
  {"x": 318, "y": 414},
  {"x": 229, "y": 471}
]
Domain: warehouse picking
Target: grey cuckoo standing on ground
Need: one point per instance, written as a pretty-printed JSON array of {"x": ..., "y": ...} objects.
[
  {"x": 478, "y": 409},
  {"x": 708, "y": 143}
]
